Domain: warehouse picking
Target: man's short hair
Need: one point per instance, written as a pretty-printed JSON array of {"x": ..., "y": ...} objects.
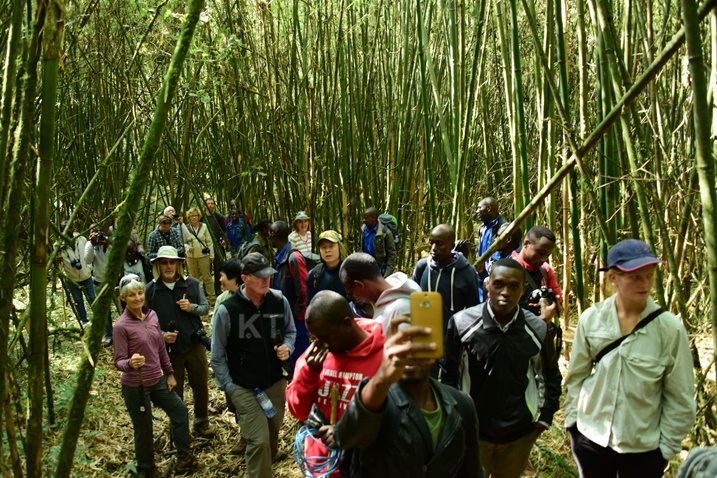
[
  {"x": 536, "y": 233},
  {"x": 510, "y": 263},
  {"x": 232, "y": 268},
  {"x": 359, "y": 266},
  {"x": 162, "y": 219},
  {"x": 327, "y": 308},
  {"x": 259, "y": 226},
  {"x": 281, "y": 230},
  {"x": 517, "y": 233}
]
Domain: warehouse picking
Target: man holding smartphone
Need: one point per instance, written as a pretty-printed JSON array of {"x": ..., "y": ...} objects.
[
  {"x": 407, "y": 424},
  {"x": 512, "y": 367}
]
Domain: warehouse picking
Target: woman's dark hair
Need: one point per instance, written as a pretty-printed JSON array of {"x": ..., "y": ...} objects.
[{"x": 232, "y": 268}]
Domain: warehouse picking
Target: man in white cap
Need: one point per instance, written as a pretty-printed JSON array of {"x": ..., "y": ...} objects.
[
  {"x": 179, "y": 303},
  {"x": 253, "y": 334}
]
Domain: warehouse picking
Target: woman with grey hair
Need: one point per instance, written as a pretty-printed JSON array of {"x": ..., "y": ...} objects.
[{"x": 148, "y": 377}]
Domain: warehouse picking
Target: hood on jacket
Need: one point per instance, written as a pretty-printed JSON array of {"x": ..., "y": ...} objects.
[
  {"x": 401, "y": 286},
  {"x": 457, "y": 266},
  {"x": 371, "y": 344}
]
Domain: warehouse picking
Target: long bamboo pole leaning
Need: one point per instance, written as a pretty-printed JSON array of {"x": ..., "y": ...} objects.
[
  {"x": 127, "y": 212},
  {"x": 637, "y": 87},
  {"x": 705, "y": 150},
  {"x": 52, "y": 50}
]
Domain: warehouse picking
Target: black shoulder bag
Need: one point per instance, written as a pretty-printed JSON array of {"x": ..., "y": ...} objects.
[{"x": 612, "y": 346}]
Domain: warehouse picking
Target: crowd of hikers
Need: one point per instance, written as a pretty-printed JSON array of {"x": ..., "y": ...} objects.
[{"x": 305, "y": 325}]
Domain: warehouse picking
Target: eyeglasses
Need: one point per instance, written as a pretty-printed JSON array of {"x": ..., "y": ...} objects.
[{"x": 128, "y": 279}]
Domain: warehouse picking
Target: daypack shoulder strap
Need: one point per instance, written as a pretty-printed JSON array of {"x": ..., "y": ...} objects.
[{"x": 613, "y": 345}]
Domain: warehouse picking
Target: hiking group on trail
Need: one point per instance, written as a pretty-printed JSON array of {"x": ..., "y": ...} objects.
[{"x": 330, "y": 337}]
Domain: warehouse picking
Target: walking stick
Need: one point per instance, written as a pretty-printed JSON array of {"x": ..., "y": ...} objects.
[
  {"x": 72, "y": 303},
  {"x": 147, "y": 414}
]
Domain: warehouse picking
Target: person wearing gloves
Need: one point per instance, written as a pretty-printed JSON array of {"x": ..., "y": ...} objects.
[{"x": 630, "y": 389}]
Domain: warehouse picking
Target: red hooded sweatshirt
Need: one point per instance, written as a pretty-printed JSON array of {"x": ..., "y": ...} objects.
[{"x": 346, "y": 370}]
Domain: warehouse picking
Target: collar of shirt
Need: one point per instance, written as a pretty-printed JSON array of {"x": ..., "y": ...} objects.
[
  {"x": 516, "y": 255},
  {"x": 507, "y": 326}
]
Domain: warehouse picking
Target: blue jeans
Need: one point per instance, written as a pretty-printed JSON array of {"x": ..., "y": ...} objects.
[
  {"x": 76, "y": 289},
  {"x": 176, "y": 410}
]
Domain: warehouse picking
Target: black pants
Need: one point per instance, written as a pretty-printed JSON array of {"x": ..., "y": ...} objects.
[{"x": 595, "y": 461}]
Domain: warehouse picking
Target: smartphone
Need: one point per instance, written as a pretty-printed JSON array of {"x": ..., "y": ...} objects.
[{"x": 427, "y": 311}]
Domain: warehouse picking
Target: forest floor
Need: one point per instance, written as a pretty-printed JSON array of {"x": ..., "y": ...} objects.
[{"x": 105, "y": 447}]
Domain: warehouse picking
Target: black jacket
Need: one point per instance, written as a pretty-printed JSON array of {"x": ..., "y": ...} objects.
[
  {"x": 396, "y": 442},
  {"x": 514, "y": 375},
  {"x": 163, "y": 301}
]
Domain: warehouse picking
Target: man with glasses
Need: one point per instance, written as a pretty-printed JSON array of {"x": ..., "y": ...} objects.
[{"x": 179, "y": 303}]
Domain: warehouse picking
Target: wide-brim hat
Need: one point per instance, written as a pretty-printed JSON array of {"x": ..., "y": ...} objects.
[
  {"x": 256, "y": 264},
  {"x": 330, "y": 235},
  {"x": 302, "y": 216},
  {"x": 630, "y": 255},
  {"x": 167, "y": 252}
]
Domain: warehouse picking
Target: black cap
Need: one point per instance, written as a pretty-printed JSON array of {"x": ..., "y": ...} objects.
[{"x": 257, "y": 265}]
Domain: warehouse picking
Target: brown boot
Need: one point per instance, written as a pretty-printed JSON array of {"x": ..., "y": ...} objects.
[
  {"x": 240, "y": 447},
  {"x": 204, "y": 429},
  {"x": 186, "y": 464}
]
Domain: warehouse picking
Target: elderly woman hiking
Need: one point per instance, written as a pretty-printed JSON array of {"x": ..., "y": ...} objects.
[{"x": 148, "y": 377}]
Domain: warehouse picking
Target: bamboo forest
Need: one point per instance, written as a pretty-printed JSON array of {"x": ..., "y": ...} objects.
[{"x": 595, "y": 119}]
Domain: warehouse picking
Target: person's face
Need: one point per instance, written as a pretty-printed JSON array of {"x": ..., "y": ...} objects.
[
  {"x": 356, "y": 291},
  {"x": 505, "y": 288},
  {"x": 441, "y": 248},
  {"x": 416, "y": 373},
  {"x": 211, "y": 207},
  {"x": 302, "y": 225},
  {"x": 370, "y": 220},
  {"x": 235, "y": 216},
  {"x": 194, "y": 219},
  {"x": 538, "y": 253},
  {"x": 168, "y": 269},
  {"x": 228, "y": 284},
  {"x": 273, "y": 237},
  {"x": 134, "y": 299},
  {"x": 484, "y": 211},
  {"x": 332, "y": 335},
  {"x": 170, "y": 212},
  {"x": 633, "y": 287},
  {"x": 256, "y": 285},
  {"x": 265, "y": 232},
  {"x": 165, "y": 228},
  {"x": 131, "y": 253},
  {"x": 329, "y": 252}
]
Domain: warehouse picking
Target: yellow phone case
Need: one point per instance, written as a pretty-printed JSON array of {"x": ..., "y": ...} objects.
[{"x": 427, "y": 311}]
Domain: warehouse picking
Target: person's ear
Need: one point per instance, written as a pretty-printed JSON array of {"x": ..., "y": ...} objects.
[{"x": 526, "y": 243}]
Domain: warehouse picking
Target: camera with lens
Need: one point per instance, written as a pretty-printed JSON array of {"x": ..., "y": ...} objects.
[
  {"x": 200, "y": 337},
  {"x": 101, "y": 236},
  {"x": 76, "y": 263},
  {"x": 205, "y": 250},
  {"x": 544, "y": 293},
  {"x": 176, "y": 216}
]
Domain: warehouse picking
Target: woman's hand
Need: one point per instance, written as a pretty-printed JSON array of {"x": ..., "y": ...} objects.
[
  {"x": 171, "y": 381},
  {"x": 136, "y": 361}
]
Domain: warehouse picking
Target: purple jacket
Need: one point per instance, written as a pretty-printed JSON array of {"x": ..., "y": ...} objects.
[{"x": 144, "y": 337}]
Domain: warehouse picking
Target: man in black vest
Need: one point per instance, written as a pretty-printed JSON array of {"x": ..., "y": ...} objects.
[
  {"x": 253, "y": 334},
  {"x": 179, "y": 303}
]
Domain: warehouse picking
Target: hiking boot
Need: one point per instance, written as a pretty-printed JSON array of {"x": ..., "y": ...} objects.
[
  {"x": 204, "y": 430},
  {"x": 154, "y": 472},
  {"x": 280, "y": 455},
  {"x": 186, "y": 464},
  {"x": 107, "y": 342},
  {"x": 240, "y": 447}
]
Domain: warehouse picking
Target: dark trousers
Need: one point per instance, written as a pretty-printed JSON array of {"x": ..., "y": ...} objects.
[
  {"x": 168, "y": 401},
  {"x": 196, "y": 366},
  {"x": 76, "y": 289},
  {"x": 595, "y": 461}
]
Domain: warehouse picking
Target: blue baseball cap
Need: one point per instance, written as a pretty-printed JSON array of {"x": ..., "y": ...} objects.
[{"x": 630, "y": 255}]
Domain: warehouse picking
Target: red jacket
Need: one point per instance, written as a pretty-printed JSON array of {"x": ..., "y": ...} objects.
[{"x": 346, "y": 369}]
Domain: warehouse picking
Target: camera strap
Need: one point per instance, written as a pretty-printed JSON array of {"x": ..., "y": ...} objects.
[
  {"x": 613, "y": 345},
  {"x": 191, "y": 229}
]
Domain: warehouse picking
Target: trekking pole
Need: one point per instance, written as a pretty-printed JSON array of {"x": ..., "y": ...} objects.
[
  {"x": 145, "y": 411},
  {"x": 72, "y": 303}
]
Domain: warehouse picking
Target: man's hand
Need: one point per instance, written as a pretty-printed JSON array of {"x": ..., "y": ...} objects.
[
  {"x": 547, "y": 312},
  {"x": 326, "y": 433},
  {"x": 282, "y": 352},
  {"x": 185, "y": 305},
  {"x": 170, "y": 337},
  {"x": 397, "y": 355},
  {"x": 316, "y": 354},
  {"x": 93, "y": 238}
]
